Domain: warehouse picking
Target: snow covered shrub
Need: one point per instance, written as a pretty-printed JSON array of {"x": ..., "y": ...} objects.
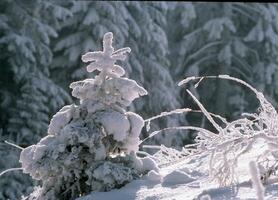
[
  {"x": 233, "y": 139},
  {"x": 91, "y": 146},
  {"x": 223, "y": 147}
]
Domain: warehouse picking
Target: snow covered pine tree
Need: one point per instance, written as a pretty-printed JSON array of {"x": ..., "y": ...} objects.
[{"x": 91, "y": 146}]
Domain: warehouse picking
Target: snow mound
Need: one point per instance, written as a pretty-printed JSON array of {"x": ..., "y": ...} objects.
[
  {"x": 186, "y": 181},
  {"x": 154, "y": 176},
  {"x": 177, "y": 177}
]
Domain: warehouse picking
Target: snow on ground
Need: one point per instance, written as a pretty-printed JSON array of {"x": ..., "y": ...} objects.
[{"x": 185, "y": 180}]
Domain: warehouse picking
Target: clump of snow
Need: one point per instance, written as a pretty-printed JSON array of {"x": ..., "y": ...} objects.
[
  {"x": 205, "y": 197},
  {"x": 121, "y": 91},
  {"x": 154, "y": 176},
  {"x": 91, "y": 146},
  {"x": 60, "y": 119},
  {"x": 149, "y": 163},
  {"x": 127, "y": 89},
  {"x": 116, "y": 124},
  {"x": 177, "y": 177},
  {"x": 132, "y": 140},
  {"x": 105, "y": 61},
  {"x": 136, "y": 122}
]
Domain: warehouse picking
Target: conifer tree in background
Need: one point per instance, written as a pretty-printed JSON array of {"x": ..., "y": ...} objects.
[
  {"x": 91, "y": 146},
  {"x": 263, "y": 40},
  {"x": 205, "y": 46},
  {"x": 27, "y": 95},
  {"x": 225, "y": 38}
]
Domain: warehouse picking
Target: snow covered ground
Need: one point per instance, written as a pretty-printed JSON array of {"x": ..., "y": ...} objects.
[{"x": 186, "y": 180}]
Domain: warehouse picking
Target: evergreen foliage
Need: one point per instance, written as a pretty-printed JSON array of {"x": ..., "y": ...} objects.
[
  {"x": 91, "y": 146},
  {"x": 27, "y": 93},
  {"x": 238, "y": 39}
]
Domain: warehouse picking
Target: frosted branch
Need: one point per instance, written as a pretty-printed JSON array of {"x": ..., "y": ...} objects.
[
  {"x": 9, "y": 170},
  {"x": 104, "y": 61}
]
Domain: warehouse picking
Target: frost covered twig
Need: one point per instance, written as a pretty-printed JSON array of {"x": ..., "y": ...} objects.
[
  {"x": 10, "y": 170},
  {"x": 164, "y": 114},
  {"x": 202, "y": 131},
  {"x": 206, "y": 113},
  {"x": 14, "y": 145},
  {"x": 179, "y": 111},
  {"x": 237, "y": 137},
  {"x": 233, "y": 139}
]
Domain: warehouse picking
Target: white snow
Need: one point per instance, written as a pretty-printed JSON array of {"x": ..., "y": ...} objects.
[
  {"x": 104, "y": 61},
  {"x": 131, "y": 143},
  {"x": 117, "y": 90},
  {"x": 136, "y": 122},
  {"x": 186, "y": 180},
  {"x": 205, "y": 197},
  {"x": 60, "y": 119},
  {"x": 149, "y": 164},
  {"x": 177, "y": 177},
  {"x": 256, "y": 182},
  {"x": 26, "y": 157},
  {"x": 39, "y": 152},
  {"x": 116, "y": 124},
  {"x": 154, "y": 176}
]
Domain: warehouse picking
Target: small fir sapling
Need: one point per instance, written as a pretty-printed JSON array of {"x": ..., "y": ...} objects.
[{"x": 91, "y": 146}]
